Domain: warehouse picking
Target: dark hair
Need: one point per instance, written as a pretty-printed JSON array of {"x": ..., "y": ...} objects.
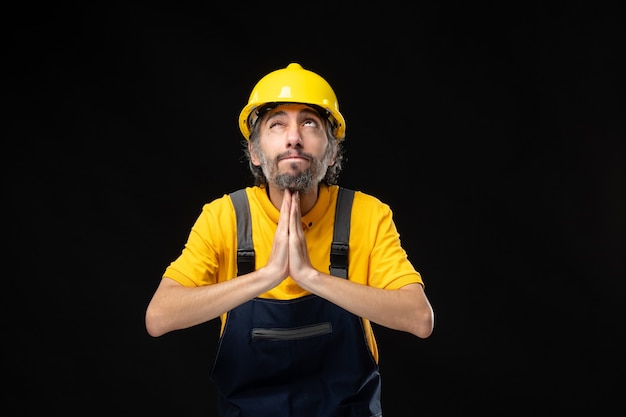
[{"x": 332, "y": 173}]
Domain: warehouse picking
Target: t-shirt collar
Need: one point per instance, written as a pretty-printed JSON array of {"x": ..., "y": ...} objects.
[{"x": 308, "y": 220}]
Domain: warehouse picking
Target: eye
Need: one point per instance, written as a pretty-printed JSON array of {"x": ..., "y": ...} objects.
[{"x": 310, "y": 123}]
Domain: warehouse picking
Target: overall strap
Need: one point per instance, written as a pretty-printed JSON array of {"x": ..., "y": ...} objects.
[
  {"x": 341, "y": 233},
  {"x": 339, "y": 245},
  {"x": 245, "y": 247}
]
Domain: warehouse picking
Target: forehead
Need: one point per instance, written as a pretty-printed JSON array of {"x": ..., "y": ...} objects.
[{"x": 293, "y": 108}]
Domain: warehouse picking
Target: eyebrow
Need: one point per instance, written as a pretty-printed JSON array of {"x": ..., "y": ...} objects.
[{"x": 307, "y": 110}]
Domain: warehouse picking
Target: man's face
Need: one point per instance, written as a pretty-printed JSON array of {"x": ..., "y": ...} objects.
[{"x": 293, "y": 147}]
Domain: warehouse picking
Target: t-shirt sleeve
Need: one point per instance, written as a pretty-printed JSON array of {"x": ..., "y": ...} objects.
[
  {"x": 388, "y": 265},
  {"x": 205, "y": 257}
]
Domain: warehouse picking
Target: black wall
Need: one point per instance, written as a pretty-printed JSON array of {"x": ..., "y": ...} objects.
[{"x": 494, "y": 132}]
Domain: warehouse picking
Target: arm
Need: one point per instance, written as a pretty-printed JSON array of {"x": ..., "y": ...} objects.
[
  {"x": 406, "y": 308},
  {"x": 174, "y": 306}
]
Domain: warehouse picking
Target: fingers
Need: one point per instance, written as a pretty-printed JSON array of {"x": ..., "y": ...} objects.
[
  {"x": 285, "y": 214},
  {"x": 294, "y": 218},
  {"x": 282, "y": 230},
  {"x": 286, "y": 205},
  {"x": 278, "y": 262},
  {"x": 298, "y": 253}
]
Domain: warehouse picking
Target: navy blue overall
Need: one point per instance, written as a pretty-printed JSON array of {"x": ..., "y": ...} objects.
[
  {"x": 295, "y": 358},
  {"x": 305, "y": 357}
]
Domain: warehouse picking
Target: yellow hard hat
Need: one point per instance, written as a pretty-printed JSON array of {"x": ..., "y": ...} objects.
[{"x": 292, "y": 84}]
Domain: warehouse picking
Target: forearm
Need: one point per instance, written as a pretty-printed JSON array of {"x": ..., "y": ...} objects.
[
  {"x": 175, "y": 307},
  {"x": 406, "y": 309}
]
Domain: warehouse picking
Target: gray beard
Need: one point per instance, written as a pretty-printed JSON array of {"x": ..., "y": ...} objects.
[{"x": 302, "y": 182}]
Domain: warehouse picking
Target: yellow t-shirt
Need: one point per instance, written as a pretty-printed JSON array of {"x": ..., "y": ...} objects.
[{"x": 376, "y": 257}]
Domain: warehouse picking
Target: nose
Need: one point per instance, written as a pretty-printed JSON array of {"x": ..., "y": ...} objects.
[{"x": 293, "y": 135}]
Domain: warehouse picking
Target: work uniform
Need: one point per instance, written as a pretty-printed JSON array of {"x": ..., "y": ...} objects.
[{"x": 289, "y": 352}]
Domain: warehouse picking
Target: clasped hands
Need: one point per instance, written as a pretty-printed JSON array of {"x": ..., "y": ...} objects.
[{"x": 290, "y": 256}]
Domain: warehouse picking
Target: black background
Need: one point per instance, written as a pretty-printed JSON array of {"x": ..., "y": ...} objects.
[{"x": 494, "y": 132}]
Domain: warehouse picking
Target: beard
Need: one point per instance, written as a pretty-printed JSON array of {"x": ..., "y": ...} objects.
[{"x": 302, "y": 181}]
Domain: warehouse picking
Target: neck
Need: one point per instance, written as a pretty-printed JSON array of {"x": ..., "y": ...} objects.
[{"x": 307, "y": 200}]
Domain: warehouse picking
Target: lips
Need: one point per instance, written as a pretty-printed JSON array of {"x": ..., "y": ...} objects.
[{"x": 293, "y": 156}]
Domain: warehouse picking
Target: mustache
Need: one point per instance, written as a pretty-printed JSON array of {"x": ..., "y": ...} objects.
[{"x": 292, "y": 153}]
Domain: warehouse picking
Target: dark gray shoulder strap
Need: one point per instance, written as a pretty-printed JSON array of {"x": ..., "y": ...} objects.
[
  {"x": 341, "y": 234},
  {"x": 339, "y": 246},
  {"x": 245, "y": 247}
]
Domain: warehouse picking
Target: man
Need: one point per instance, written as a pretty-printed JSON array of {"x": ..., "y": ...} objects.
[{"x": 295, "y": 340}]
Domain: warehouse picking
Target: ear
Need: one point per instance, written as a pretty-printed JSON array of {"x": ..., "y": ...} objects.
[{"x": 254, "y": 158}]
